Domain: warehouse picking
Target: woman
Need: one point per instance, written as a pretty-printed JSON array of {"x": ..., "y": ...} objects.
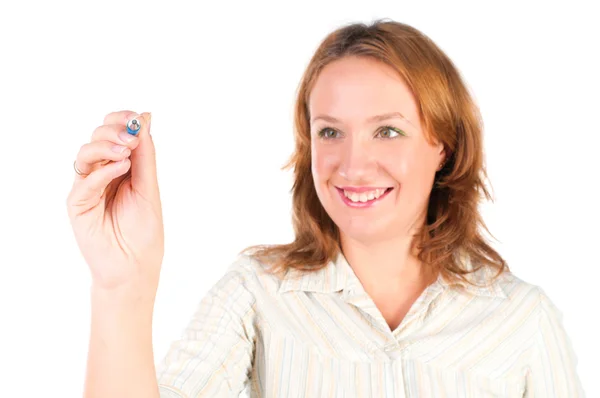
[{"x": 389, "y": 288}]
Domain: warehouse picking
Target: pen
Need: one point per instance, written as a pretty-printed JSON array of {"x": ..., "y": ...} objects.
[{"x": 133, "y": 126}]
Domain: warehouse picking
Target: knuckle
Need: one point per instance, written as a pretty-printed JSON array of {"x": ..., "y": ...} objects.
[
  {"x": 83, "y": 150},
  {"x": 97, "y": 133},
  {"x": 117, "y": 115},
  {"x": 107, "y": 132},
  {"x": 110, "y": 116}
]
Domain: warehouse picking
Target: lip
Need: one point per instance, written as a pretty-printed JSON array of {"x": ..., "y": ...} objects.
[
  {"x": 362, "y": 205},
  {"x": 361, "y": 189}
]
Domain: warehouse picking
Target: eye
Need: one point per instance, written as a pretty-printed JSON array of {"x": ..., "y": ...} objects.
[
  {"x": 390, "y": 132},
  {"x": 328, "y": 133}
]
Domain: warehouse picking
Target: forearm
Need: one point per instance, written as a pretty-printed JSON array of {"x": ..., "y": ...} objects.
[{"x": 120, "y": 357}]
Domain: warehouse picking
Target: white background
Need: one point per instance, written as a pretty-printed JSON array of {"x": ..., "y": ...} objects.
[{"x": 220, "y": 81}]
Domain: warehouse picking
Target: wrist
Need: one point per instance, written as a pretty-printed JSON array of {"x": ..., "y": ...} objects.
[{"x": 134, "y": 292}]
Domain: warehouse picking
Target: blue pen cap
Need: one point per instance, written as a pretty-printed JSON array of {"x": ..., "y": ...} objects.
[{"x": 133, "y": 126}]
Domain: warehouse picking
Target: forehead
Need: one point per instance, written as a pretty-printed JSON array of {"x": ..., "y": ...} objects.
[{"x": 353, "y": 89}]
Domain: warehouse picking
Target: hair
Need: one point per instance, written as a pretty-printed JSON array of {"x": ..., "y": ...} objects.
[{"x": 453, "y": 225}]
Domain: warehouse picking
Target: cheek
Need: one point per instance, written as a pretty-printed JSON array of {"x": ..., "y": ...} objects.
[
  {"x": 408, "y": 167},
  {"x": 324, "y": 163},
  {"x": 413, "y": 170},
  {"x": 398, "y": 163}
]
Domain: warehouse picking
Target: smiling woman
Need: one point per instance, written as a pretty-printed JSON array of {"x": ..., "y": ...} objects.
[{"x": 389, "y": 287}]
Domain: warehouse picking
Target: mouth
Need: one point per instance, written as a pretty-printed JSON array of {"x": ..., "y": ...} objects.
[{"x": 362, "y": 197}]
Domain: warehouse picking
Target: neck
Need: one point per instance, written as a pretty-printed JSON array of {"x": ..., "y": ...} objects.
[{"x": 385, "y": 266}]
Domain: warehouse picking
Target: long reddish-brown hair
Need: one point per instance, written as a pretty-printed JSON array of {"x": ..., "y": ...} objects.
[{"x": 453, "y": 226}]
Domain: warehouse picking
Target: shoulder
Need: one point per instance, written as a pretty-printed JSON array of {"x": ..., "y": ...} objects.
[
  {"x": 525, "y": 307},
  {"x": 253, "y": 274},
  {"x": 524, "y": 293}
]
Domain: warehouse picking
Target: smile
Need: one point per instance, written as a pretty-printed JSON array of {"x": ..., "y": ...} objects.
[{"x": 362, "y": 197}]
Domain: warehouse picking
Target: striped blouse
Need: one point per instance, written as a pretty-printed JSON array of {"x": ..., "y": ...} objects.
[{"x": 319, "y": 334}]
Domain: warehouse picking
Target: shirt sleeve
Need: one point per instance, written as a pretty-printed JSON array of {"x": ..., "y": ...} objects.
[
  {"x": 552, "y": 371},
  {"x": 214, "y": 355}
]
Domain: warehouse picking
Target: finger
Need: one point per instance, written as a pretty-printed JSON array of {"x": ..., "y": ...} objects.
[
  {"x": 119, "y": 117},
  {"x": 116, "y": 133},
  {"x": 93, "y": 186},
  {"x": 143, "y": 161},
  {"x": 96, "y": 153}
]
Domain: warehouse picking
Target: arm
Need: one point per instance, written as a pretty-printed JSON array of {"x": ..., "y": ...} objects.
[
  {"x": 214, "y": 356},
  {"x": 552, "y": 371},
  {"x": 120, "y": 357}
]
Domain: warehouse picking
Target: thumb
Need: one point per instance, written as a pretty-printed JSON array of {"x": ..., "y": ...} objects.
[{"x": 143, "y": 161}]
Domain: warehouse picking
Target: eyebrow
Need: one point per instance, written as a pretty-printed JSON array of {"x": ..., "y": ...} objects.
[{"x": 376, "y": 118}]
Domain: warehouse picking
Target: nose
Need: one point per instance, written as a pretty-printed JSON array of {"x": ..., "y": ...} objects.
[{"x": 357, "y": 162}]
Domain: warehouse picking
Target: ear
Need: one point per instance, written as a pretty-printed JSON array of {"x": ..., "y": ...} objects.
[
  {"x": 442, "y": 153},
  {"x": 441, "y": 149}
]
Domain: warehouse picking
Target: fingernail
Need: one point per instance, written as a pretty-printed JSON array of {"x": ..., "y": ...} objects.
[
  {"x": 125, "y": 137},
  {"x": 119, "y": 148}
]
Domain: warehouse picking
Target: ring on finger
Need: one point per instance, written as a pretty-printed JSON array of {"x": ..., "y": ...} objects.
[{"x": 77, "y": 170}]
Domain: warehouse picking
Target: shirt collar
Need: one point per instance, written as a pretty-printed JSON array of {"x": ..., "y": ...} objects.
[{"x": 339, "y": 276}]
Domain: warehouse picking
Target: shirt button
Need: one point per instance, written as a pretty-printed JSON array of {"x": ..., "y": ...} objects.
[{"x": 389, "y": 347}]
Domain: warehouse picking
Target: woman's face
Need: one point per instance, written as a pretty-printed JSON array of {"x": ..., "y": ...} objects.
[{"x": 373, "y": 168}]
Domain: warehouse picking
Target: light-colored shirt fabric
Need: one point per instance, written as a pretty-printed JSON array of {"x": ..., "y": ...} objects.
[{"x": 319, "y": 334}]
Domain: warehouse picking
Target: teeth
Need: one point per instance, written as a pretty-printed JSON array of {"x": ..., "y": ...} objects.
[{"x": 364, "y": 196}]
